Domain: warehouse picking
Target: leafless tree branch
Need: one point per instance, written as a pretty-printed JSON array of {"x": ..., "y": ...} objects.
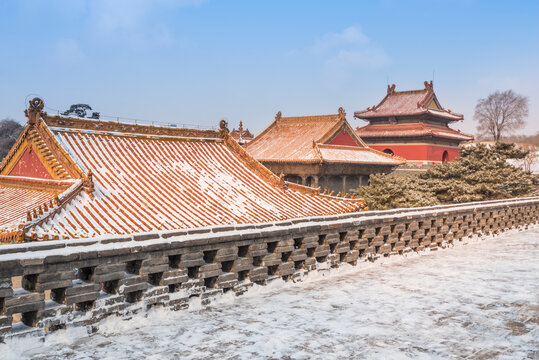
[{"x": 501, "y": 113}]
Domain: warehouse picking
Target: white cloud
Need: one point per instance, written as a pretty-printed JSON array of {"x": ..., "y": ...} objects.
[
  {"x": 363, "y": 58},
  {"x": 132, "y": 21},
  {"x": 351, "y": 36},
  {"x": 345, "y": 52}
]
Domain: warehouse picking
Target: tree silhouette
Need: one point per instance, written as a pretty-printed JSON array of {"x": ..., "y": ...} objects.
[
  {"x": 9, "y": 132},
  {"x": 81, "y": 110},
  {"x": 501, "y": 113}
]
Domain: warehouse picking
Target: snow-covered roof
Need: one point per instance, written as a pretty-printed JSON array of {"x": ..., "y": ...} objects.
[
  {"x": 310, "y": 139},
  {"x": 138, "y": 178}
]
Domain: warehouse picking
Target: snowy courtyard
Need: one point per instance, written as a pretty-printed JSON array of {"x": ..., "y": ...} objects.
[{"x": 477, "y": 301}]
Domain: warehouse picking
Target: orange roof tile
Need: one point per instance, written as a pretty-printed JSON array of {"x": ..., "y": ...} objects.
[
  {"x": 142, "y": 178},
  {"x": 20, "y": 196},
  {"x": 410, "y": 130},
  {"x": 358, "y": 155},
  {"x": 292, "y": 138},
  {"x": 305, "y": 138},
  {"x": 407, "y": 103}
]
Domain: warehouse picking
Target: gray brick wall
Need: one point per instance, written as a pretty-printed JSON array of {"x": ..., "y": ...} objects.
[{"x": 59, "y": 284}]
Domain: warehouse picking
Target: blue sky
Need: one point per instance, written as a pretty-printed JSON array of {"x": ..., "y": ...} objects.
[{"x": 196, "y": 62}]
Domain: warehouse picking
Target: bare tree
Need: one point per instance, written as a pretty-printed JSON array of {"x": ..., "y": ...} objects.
[
  {"x": 530, "y": 161},
  {"x": 501, "y": 113},
  {"x": 9, "y": 132}
]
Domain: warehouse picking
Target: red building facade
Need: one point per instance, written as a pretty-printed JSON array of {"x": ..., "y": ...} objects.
[{"x": 413, "y": 125}]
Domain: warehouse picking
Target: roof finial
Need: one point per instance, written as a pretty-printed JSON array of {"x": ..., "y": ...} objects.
[
  {"x": 240, "y": 129},
  {"x": 278, "y": 116},
  {"x": 223, "y": 125},
  {"x": 34, "y": 111},
  {"x": 428, "y": 85},
  {"x": 88, "y": 184},
  {"x": 342, "y": 113},
  {"x": 390, "y": 89},
  {"x": 282, "y": 183}
]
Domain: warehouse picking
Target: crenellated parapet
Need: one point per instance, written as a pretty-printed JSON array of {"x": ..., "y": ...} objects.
[{"x": 61, "y": 284}]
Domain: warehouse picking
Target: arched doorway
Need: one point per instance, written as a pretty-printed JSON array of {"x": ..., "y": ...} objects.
[
  {"x": 389, "y": 152},
  {"x": 445, "y": 156}
]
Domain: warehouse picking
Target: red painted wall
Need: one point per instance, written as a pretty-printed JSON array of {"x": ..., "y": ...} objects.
[
  {"x": 420, "y": 152},
  {"x": 29, "y": 165},
  {"x": 343, "y": 138}
]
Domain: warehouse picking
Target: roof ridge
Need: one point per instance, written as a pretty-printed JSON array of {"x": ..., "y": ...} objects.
[
  {"x": 41, "y": 184},
  {"x": 310, "y": 117},
  {"x": 316, "y": 148},
  {"x": 112, "y": 126},
  {"x": 404, "y": 92},
  {"x": 342, "y": 146}
]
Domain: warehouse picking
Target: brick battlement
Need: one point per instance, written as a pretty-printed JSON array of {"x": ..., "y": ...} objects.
[{"x": 53, "y": 285}]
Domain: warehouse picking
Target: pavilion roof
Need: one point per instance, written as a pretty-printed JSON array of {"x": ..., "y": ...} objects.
[
  {"x": 418, "y": 129},
  {"x": 136, "y": 178},
  {"x": 241, "y": 135},
  {"x": 409, "y": 103},
  {"x": 306, "y": 139}
]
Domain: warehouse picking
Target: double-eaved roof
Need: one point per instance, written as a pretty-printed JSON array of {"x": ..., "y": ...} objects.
[
  {"x": 109, "y": 178},
  {"x": 314, "y": 139}
]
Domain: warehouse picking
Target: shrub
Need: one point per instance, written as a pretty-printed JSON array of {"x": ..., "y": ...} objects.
[{"x": 480, "y": 173}]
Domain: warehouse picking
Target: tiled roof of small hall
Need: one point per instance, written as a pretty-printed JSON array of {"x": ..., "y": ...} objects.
[
  {"x": 407, "y": 103},
  {"x": 304, "y": 139},
  {"x": 143, "y": 178}
]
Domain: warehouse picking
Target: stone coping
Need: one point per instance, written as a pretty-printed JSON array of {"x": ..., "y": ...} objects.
[{"x": 223, "y": 233}]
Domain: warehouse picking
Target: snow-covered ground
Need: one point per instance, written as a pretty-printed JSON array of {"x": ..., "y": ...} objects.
[{"x": 478, "y": 301}]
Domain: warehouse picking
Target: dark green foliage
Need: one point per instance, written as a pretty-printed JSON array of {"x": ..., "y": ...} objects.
[
  {"x": 9, "y": 132},
  {"x": 480, "y": 173},
  {"x": 80, "y": 110}
]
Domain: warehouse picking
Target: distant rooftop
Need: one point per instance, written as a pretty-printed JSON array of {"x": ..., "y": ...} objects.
[
  {"x": 302, "y": 139},
  {"x": 409, "y": 103}
]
